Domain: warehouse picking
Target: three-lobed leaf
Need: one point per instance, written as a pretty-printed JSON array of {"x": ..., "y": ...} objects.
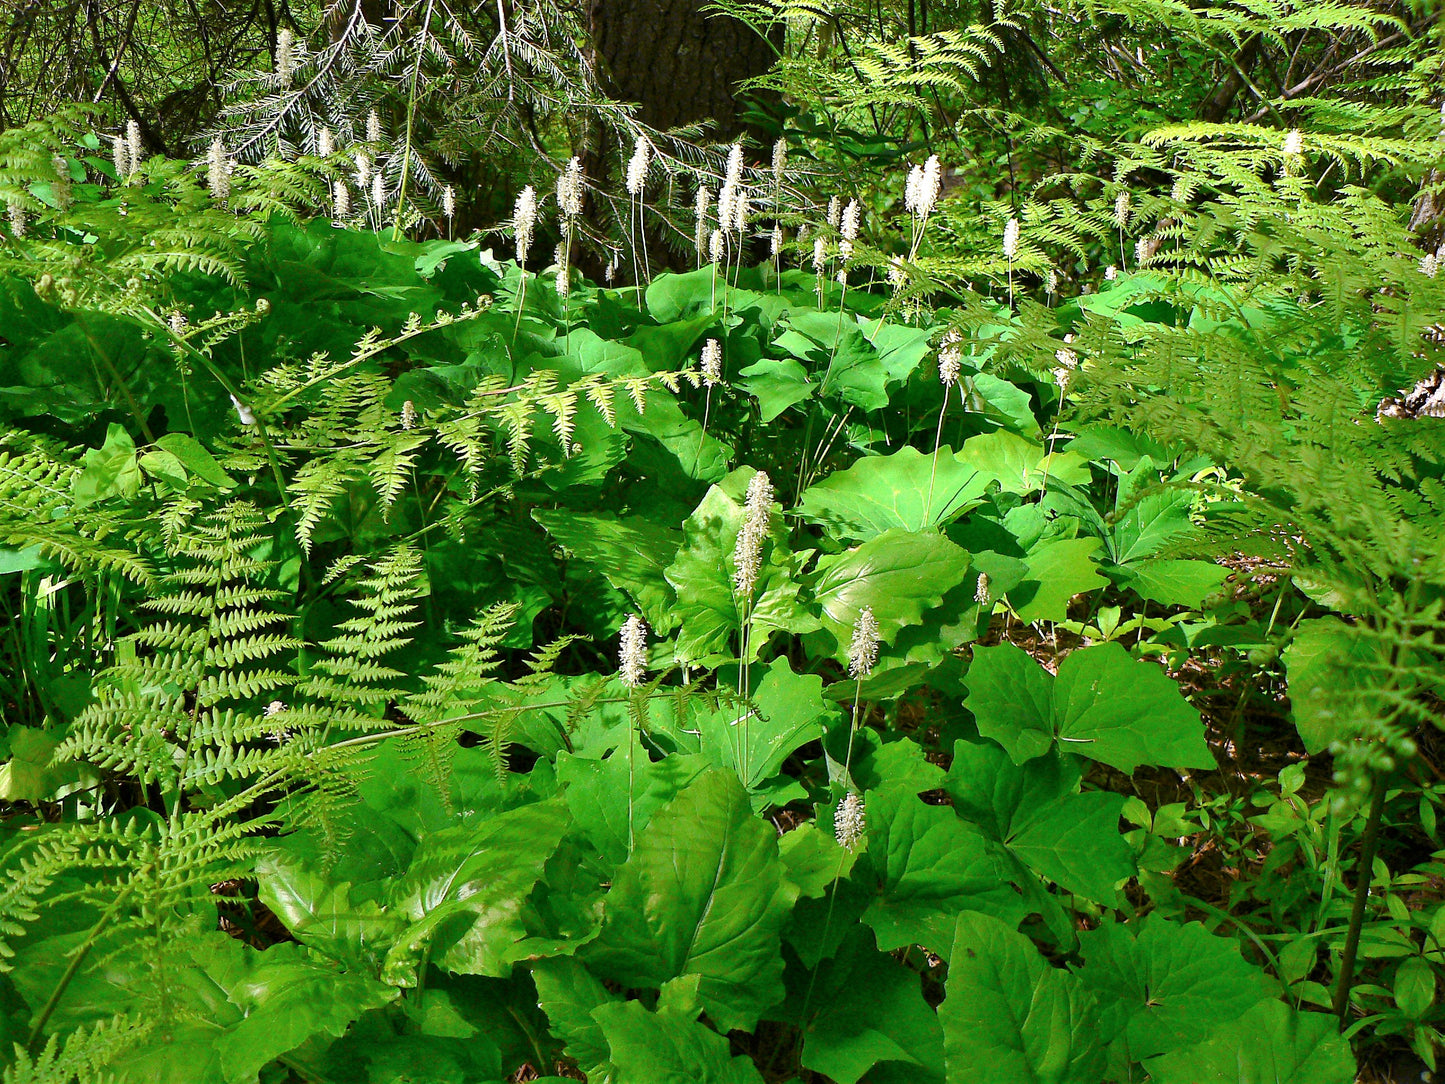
[
  {"x": 926, "y": 865},
  {"x": 1166, "y": 985},
  {"x": 1035, "y": 812},
  {"x": 1103, "y": 705},
  {"x": 1011, "y": 1015},
  {"x": 1270, "y": 1044}
]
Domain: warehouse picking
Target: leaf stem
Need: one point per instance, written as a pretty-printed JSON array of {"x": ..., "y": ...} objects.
[
  {"x": 76, "y": 959},
  {"x": 1364, "y": 874}
]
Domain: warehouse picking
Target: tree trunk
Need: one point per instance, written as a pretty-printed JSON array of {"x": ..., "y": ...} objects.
[
  {"x": 339, "y": 16},
  {"x": 1216, "y": 106},
  {"x": 677, "y": 63}
]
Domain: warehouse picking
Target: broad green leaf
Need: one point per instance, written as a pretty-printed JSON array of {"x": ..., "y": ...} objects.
[
  {"x": 668, "y": 1048},
  {"x": 1146, "y": 524},
  {"x": 927, "y": 866},
  {"x": 324, "y": 914},
  {"x": 1011, "y": 698},
  {"x": 29, "y": 775},
  {"x": 1057, "y": 571},
  {"x": 900, "y": 765},
  {"x": 1103, "y": 705},
  {"x": 866, "y": 1009},
  {"x": 23, "y": 559},
  {"x": 436, "y": 385},
  {"x": 958, "y": 619},
  {"x": 1133, "y": 299},
  {"x": 996, "y": 795},
  {"x": 699, "y": 454},
  {"x": 383, "y": 1057},
  {"x": 1054, "y": 517},
  {"x": 791, "y": 710},
  {"x": 1104, "y": 442},
  {"x": 435, "y": 254},
  {"x": 1329, "y": 666},
  {"x": 898, "y": 574},
  {"x": 708, "y": 606},
  {"x": 819, "y": 925},
  {"x": 842, "y": 360},
  {"x": 425, "y": 1041},
  {"x": 814, "y": 859},
  {"x": 597, "y": 792},
  {"x": 1035, "y": 812},
  {"x": 466, "y": 890},
  {"x": 232, "y": 1009},
  {"x": 1022, "y": 465},
  {"x": 681, "y": 996},
  {"x": 1270, "y": 1044},
  {"x": 568, "y": 994},
  {"x": 905, "y": 490},
  {"x": 1174, "y": 583},
  {"x": 280, "y": 999},
  {"x": 1001, "y": 402},
  {"x": 108, "y": 471},
  {"x": 1165, "y": 985},
  {"x": 631, "y": 552},
  {"x": 1075, "y": 843},
  {"x": 676, "y": 297},
  {"x": 1415, "y": 987},
  {"x": 1007, "y": 1010},
  {"x": 164, "y": 467},
  {"x": 901, "y": 349},
  {"x": 198, "y": 462},
  {"x": 1125, "y": 712},
  {"x": 777, "y": 384},
  {"x": 673, "y": 346},
  {"x": 402, "y": 795},
  {"x": 703, "y": 893},
  {"x": 597, "y": 448}
]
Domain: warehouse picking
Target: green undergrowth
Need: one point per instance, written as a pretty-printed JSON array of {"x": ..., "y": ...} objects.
[{"x": 319, "y": 764}]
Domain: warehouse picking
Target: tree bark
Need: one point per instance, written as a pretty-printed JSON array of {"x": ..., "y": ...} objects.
[
  {"x": 679, "y": 64},
  {"x": 340, "y": 16},
  {"x": 1218, "y": 104}
]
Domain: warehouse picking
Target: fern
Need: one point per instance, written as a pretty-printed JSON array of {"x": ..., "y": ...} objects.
[
  {"x": 82, "y": 1058},
  {"x": 37, "y": 508}
]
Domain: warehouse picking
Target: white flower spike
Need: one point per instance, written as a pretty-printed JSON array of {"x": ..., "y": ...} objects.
[
  {"x": 524, "y": 220},
  {"x": 637, "y": 168},
  {"x": 1011, "y": 239},
  {"x": 632, "y": 652},
  {"x": 863, "y": 651},
  {"x": 850, "y": 822}
]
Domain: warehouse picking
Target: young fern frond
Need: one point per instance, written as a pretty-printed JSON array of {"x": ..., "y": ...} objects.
[
  {"x": 83, "y": 1058},
  {"x": 448, "y": 689},
  {"x": 349, "y": 672}
]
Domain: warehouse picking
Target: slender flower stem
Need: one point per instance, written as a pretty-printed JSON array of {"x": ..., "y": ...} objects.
[
  {"x": 1053, "y": 439},
  {"x": 410, "y": 122},
  {"x": 937, "y": 441},
  {"x": 838, "y": 334},
  {"x": 632, "y": 670},
  {"x": 706, "y": 410},
  {"x": 521, "y": 304}
]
